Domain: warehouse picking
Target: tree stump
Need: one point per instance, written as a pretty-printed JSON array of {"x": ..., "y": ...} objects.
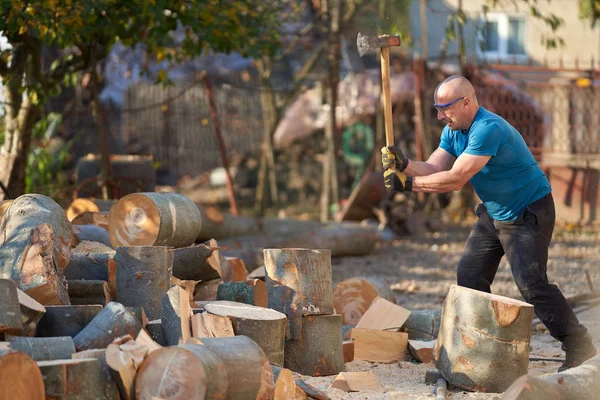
[
  {"x": 190, "y": 263},
  {"x": 423, "y": 324},
  {"x": 176, "y": 314},
  {"x": 299, "y": 283},
  {"x": 74, "y": 379},
  {"x": 263, "y": 325},
  {"x": 483, "y": 343},
  {"x": 217, "y": 382},
  {"x": 319, "y": 350},
  {"x": 352, "y": 297},
  {"x": 44, "y": 349},
  {"x": 37, "y": 241},
  {"x": 154, "y": 219},
  {"x": 10, "y": 309},
  {"x": 20, "y": 377},
  {"x": 31, "y": 312},
  {"x": 253, "y": 292},
  {"x": 66, "y": 320},
  {"x": 89, "y": 292},
  {"x": 143, "y": 277}
]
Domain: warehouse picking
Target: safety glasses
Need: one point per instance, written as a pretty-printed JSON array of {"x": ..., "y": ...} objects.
[{"x": 444, "y": 107}]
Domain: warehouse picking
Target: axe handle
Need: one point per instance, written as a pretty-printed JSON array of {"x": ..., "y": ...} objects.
[{"x": 387, "y": 96}]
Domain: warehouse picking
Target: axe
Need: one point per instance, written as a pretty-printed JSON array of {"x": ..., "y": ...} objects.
[{"x": 366, "y": 43}]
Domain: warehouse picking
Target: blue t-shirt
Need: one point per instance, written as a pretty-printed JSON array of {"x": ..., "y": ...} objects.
[{"x": 511, "y": 179}]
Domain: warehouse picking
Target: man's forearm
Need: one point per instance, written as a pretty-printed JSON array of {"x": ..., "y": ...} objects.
[
  {"x": 419, "y": 168},
  {"x": 440, "y": 182}
]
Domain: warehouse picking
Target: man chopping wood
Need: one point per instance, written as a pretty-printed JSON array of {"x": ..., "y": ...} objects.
[{"x": 516, "y": 217}]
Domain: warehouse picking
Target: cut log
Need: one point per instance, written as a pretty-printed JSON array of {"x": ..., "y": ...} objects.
[
  {"x": 299, "y": 283},
  {"x": 111, "y": 390},
  {"x": 319, "y": 350},
  {"x": 352, "y": 297},
  {"x": 44, "y": 349},
  {"x": 344, "y": 239},
  {"x": 188, "y": 286},
  {"x": 66, "y": 320},
  {"x": 421, "y": 351},
  {"x": 89, "y": 292},
  {"x": 37, "y": 242},
  {"x": 246, "y": 365},
  {"x": 253, "y": 292},
  {"x": 206, "y": 325},
  {"x": 154, "y": 219},
  {"x": 308, "y": 390},
  {"x": 483, "y": 344},
  {"x": 10, "y": 309},
  {"x": 263, "y": 325},
  {"x": 190, "y": 263},
  {"x": 348, "y": 348},
  {"x": 143, "y": 277},
  {"x": 379, "y": 346},
  {"x": 63, "y": 379},
  {"x": 285, "y": 385},
  {"x": 122, "y": 371},
  {"x": 383, "y": 315},
  {"x": 219, "y": 226},
  {"x": 207, "y": 291},
  {"x": 31, "y": 312},
  {"x": 423, "y": 324},
  {"x": 113, "y": 321},
  {"x": 99, "y": 219},
  {"x": 20, "y": 377},
  {"x": 176, "y": 315},
  {"x": 91, "y": 233},
  {"x": 89, "y": 261},
  {"x": 356, "y": 381},
  {"x": 217, "y": 381},
  {"x": 81, "y": 205}
]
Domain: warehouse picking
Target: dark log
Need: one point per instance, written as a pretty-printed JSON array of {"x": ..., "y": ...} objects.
[
  {"x": 263, "y": 325},
  {"x": 299, "y": 283},
  {"x": 176, "y": 314},
  {"x": 10, "y": 309},
  {"x": 31, "y": 312},
  {"x": 190, "y": 263},
  {"x": 352, "y": 297},
  {"x": 111, "y": 392},
  {"x": 423, "y": 324},
  {"x": 89, "y": 292},
  {"x": 92, "y": 233},
  {"x": 66, "y": 320},
  {"x": 112, "y": 322},
  {"x": 20, "y": 377},
  {"x": 44, "y": 349},
  {"x": 207, "y": 291},
  {"x": 74, "y": 379},
  {"x": 217, "y": 381},
  {"x": 143, "y": 277},
  {"x": 319, "y": 349},
  {"x": 154, "y": 219},
  {"x": 253, "y": 292},
  {"x": 311, "y": 391},
  {"x": 89, "y": 261},
  {"x": 37, "y": 242},
  {"x": 155, "y": 330}
]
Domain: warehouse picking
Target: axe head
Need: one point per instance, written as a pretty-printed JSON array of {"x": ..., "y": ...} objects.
[{"x": 366, "y": 43}]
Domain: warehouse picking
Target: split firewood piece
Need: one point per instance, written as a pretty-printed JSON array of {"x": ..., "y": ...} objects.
[
  {"x": 352, "y": 297},
  {"x": 99, "y": 219},
  {"x": 143, "y": 277},
  {"x": 247, "y": 367},
  {"x": 44, "y": 349},
  {"x": 113, "y": 321},
  {"x": 233, "y": 269},
  {"x": 31, "y": 312},
  {"x": 190, "y": 263},
  {"x": 111, "y": 390},
  {"x": 383, "y": 315},
  {"x": 89, "y": 261},
  {"x": 145, "y": 340},
  {"x": 258, "y": 273},
  {"x": 379, "y": 346},
  {"x": 176, "y": 315},
  {"x": 10, "y": 309},
  {"x": 81, "y": 205},
  {"x": 37, "y": 242},
  {"x": 122, "y": 370},
  {"x": 263, "y": 325},
  {"x": 253, "y": 292},
  {"x": 4, "y": 204},
  {"x": 217, "y": 381},
  {"x": 74, "y": 379},
  {"x": 319, "y": 350},
  {"x": 66, "y": 320},
  {"x": 155, "y": 330},
  {"x": 421, "y": 351},
  {"x": 206, "y": 325},
  {"x": 356, "y": 381},
  {"x": 188, "y": 286},
  {"x": 20, "y": 377},
  {"x": 309, "y": 391},
  {"x": 207, "y": 291},
  {"x": 154, "y": 219},
  {"x": 285, "y": 385},
  {"x": 89, "y": 292},
  {"x": 348, "y": 347},
  {"x": 136, "y": 351},
  {"x": 483, "y": 342},
  {"x": 299, "y": 283},
  {"x": 423, "y": 324}
]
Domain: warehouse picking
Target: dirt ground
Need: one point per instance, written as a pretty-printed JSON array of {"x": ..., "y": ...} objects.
[{"x": 421, "y": 270}]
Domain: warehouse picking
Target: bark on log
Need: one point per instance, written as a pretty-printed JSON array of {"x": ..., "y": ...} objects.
[
  {"x": 190, "y": 263},
  {"x": 74, "y": 379},
  {"x": 143, "y": 277},
  {"x": 44, "y": 349},
  {"x": 37, "y": 242},
  {"x": 319, "y": 350},
  {"x": 112, "y": 322},
  {"x": 20, "y": 377},
  {"x": 346, "y": 239},
  {"x": 217, "y": 382},
  {"x": 483, "y": 343},
  {"x": 89, "y": 292},
  {"x": 219, "y": 226},
  {"x": 352, "y": 297},
  {"x": 263, "y": 325},
  {"x": 89, "y": 263},
  {"x": 176, "y": 314},
  {"x": 253, "y": 292},
  {"x": 423, "y": 324},
  {"x": 31, "y": 312},
  {"x": 111, "y": 391},
  {"x": 10, "y": 309},
  {"x": 154, "y": 219},
  {"x": 91, "y": 233},
  {"x": 246, "y": 365},
  {"x": 299, "y": 283},
  {"x": 66, "y": 320}
]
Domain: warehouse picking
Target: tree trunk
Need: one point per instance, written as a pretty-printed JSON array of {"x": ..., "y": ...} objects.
[
  {"x": 190, "y": 263},
  {"x": 253, "y": 292},
  {"x": 89, "y": 292},
  {"x": 299, "y": 283},
  {"x": 352, "y": 297},
  {"x": 45, "y": 349},
  {"x": 10, "y": 309},
  {"x": 154, "y": 219},
  {"x": 20, "y": 377},
  {"x": 38, "y": 239},
  {"x": 483, "y": 343},
  {"x": 63, "y": 379},
  {"x": 423, "y": 324},
  {"x": 66, "y": 320}
]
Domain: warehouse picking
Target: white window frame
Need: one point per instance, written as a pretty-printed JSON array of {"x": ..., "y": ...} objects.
[{"x": 502, "y": 19}]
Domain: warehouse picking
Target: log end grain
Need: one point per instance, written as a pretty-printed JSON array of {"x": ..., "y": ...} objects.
[
  {"x": 20, "y": 377},
  {"x": 134, "y": 221}
]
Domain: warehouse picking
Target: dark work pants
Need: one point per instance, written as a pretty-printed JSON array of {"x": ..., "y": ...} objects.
[{"x": 525, "y": 242}]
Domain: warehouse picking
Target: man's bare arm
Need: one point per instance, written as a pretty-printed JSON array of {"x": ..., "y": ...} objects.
[
  {"x": 463, "y": 169},
  {"x": 440, "y": 160}
]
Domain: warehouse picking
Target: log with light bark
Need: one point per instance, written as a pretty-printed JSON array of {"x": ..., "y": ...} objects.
[
  {"x": 299, "y": 283},
  {"x": 217, "y": 381},
  {"x": 154, "y": 219},
  {"x": 44, "y": 349},
  {"x": 352, "y": 297},
  {"x": 74, "y": 379},
  {"x": 263, "y": 325},
  {"x": 190, "y": 263},
  {"x": 111, "y": 391},
  {"x": 89, "y": 292},
  {"x": 423, "y": 324},
  {"x": 143, "y": 277},
  {"x": 175, "y": 316},
  {"x": 345, "y": 239},
  {"x": 89, "y": 261},
  {"x": 37, "y": 242},
  {"x": 66, "y": 320},
  {"x": 216, "y": 225},
  {"x": 113, "y": 321},
  {"x": 483, "y": 343},
  {"x": 20, "y": 377},
  {"x": 10, "y": 309},
  {"x": 253, "y": 292},
  {"x": 31, "y": 312},
  {"x": 319, "y": 350},
  {"x": 91, "y": 233}
]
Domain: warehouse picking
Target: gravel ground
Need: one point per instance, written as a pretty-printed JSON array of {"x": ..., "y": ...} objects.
[{"x": 421, "y": 270}]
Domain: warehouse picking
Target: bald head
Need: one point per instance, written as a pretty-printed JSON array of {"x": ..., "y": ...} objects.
[
  {"x": 456, "y": 102},
  {"x": 455, "y": 86}
]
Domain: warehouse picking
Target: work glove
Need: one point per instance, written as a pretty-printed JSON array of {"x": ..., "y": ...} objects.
[
  {"x": 392, "y": 157},
  {"x": 396, "y": 181}
]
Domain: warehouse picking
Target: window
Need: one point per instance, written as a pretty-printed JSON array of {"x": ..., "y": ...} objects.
[{"x": 502, "y": 36}]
